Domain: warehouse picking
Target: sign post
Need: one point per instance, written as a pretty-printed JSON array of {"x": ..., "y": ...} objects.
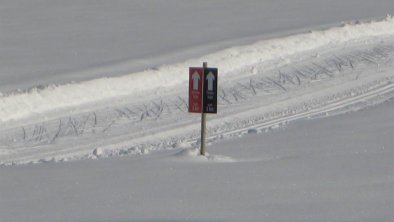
[
  {"x": 203, "y": 116},
  {"x": 203, "y": 84}
]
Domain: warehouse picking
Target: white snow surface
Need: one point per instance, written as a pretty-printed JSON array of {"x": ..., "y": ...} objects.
[
  {"x": 230, "y": 61},
  {"x": 53, "y": 41},
  {"x": 262, "y": 85},
  {"x": 329, "y": 169},
  {"x": 104, "y": 79}
]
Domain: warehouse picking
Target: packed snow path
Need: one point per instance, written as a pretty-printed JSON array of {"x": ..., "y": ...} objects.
[{"x": 261, "y": 86}]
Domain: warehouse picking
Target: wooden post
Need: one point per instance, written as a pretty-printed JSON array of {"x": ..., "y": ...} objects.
[{"x": 203, "y": 115}]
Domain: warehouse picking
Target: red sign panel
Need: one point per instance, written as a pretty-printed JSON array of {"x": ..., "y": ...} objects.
[{"x": 195, "y": 89}]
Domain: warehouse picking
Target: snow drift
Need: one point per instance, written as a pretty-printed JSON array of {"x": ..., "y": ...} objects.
[{"x": 17, "y": 106}]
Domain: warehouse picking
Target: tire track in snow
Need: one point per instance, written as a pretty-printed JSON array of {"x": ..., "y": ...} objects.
[
  {"x": 385, "y": 89},
  {"x": 260, "y": 84}
]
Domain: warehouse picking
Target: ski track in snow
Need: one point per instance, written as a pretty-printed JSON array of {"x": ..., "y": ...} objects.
[{"x": 261, "y": 86}]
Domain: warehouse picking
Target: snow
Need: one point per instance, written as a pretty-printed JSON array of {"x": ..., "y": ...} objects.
[
  {"x": 191, "y": 155},
  {"x": 338, "y": 168},
  {"x": 50, "y": 42},
  {"x": 262, "y": 85},
  {"x": 22, "y": 105},
  {"x": 94, "y": 122}
]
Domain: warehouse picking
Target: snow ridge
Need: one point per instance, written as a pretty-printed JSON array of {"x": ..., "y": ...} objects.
[{"x": 18, "y": 106}]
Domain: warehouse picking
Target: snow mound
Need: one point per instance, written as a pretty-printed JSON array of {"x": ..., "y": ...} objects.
[
  {"x": 38, "y": 101},
  {"x": 194, "y": 156}
]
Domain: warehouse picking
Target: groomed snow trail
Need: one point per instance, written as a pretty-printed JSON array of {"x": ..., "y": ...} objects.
[{"x": 260, "y": 86}]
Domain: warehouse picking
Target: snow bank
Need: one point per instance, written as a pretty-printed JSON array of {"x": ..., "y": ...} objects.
[
  {"x": 194, "y": 156},
  {"x": 37, "y": 101}
]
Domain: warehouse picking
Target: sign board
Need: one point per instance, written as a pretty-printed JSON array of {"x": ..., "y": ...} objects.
[
  {"x": 195, "y": 89},
  {"x": 210, "y": 90},
  {"x": 203, "y": 92},
  {"x": 203, "y": 84}
]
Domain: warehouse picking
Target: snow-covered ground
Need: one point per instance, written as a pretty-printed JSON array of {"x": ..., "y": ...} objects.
[
  {"x": 261, "y": 85},
  {"x": 329, "y": 169},
  {"x": 55, "y": 41},
  {"x": 125, "y": 64}
]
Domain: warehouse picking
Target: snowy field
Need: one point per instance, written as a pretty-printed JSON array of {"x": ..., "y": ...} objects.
[
  {"x": 262, "y": 85},
  {"x": 332, "y": 169},
  {"x": 56, "y": 41},
  {"x": 94, "y": 123}
]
